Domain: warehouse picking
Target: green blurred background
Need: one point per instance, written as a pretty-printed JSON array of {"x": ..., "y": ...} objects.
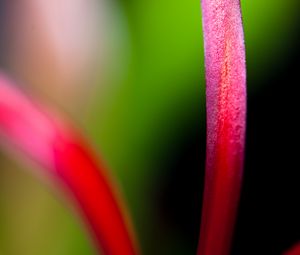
[{"x": 147, "y": 118}]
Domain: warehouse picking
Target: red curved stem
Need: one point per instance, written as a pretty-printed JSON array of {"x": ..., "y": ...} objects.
[
  {"x": 226, "y": 110},
  {"x": 67, "y": 158}
]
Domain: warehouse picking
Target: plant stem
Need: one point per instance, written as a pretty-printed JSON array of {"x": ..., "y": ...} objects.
[
  {"x": 226, "y": 113},
  {"x": 67, "y": 158}
]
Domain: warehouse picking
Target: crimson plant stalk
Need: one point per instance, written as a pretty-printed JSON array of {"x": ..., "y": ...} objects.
[
  {"x": 60, "y": 150},
  {"x": 226, "y": 113}
]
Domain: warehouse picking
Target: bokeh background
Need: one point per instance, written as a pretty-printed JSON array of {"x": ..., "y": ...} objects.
[{"x": 130, "y": 74}]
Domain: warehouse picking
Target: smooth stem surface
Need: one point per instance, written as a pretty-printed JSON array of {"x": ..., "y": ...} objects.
[
  {"x": 226, "y": 110},
  {"x": 66, "y": 158}
]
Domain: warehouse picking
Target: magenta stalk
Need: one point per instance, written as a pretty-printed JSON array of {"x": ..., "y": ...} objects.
[
  {"x": 226, "y": 114},
  {"x": 66, "y": 158}
]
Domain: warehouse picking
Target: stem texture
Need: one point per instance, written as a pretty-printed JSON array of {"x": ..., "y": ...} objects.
[{"x": 226, "y": 112}]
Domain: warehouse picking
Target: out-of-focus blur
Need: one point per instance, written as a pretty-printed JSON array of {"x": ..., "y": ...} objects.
[{"x": 131, "y": 75}]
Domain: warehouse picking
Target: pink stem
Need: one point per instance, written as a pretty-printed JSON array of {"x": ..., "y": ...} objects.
[
  {"x": 60, "y": 150},
  {"x": 226, "y": 111}
]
